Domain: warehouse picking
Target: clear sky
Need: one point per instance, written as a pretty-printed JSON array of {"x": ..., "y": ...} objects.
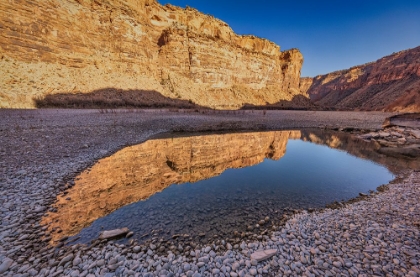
[{"x": 332, "y": 35}]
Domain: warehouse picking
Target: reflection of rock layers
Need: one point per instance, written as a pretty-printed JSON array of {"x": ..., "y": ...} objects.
[
  {"x": 138, "y": 172},
  {"x": 359, "y": 148}
]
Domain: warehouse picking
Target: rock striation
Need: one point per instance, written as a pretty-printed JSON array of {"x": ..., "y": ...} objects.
[
  {"x": 391, "y": 83},
  {"x": 65, "y": 46}
]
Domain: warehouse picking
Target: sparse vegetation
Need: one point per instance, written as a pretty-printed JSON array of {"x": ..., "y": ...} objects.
[
  {"x": 110, "y": 98},
  {"x": 298, "y": 102}
]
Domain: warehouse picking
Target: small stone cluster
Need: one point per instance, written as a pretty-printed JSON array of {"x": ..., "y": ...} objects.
[{"x": 396, "y": 141}]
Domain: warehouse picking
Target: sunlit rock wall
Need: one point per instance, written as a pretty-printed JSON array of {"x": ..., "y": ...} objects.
[{"x": 54, "y": 46}]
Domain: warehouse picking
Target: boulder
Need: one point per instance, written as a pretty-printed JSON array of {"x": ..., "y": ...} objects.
[
  {"x": 263, "y": 255},
  {"x": 110, "y": 234}
]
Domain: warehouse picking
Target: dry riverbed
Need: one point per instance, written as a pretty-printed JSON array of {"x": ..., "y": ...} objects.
[{"x": 41, "y": 151}]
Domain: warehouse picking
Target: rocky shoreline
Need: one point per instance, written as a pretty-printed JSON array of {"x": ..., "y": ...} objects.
[{"x": 42, "y": 150}]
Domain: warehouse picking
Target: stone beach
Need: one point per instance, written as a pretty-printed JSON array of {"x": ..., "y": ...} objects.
[{"x": 42, "y": 151}]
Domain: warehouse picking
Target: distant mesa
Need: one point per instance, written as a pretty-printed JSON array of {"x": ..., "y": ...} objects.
[{"x": 391, "y": 83}]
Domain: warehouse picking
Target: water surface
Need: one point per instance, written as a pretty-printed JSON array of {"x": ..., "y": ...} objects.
[{"x": 215, "y": 184}]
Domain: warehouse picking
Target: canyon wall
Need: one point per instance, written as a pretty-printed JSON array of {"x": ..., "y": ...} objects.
[
  {"x": 137, "y": 172},
  {"x": 391, "y": 83},
  {"x": 69, "y": 46}
]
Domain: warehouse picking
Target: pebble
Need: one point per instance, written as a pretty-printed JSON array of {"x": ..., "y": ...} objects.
[
  {"x": 413, "y": 274},
  {"x": 187, "y": 267},
  {"x": 66, "y": 259},
  {"x": 200, "y": 264},
  {"x": 337, "y": 264},
  {"x": 5, "y": 265},
  {"x": 100, "y": 262},
  {"x": 253, "y": 271},
  {"x": 77, "y": 261}
]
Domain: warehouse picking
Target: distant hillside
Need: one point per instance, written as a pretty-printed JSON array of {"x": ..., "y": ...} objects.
[{"x": 391, "y": 83}]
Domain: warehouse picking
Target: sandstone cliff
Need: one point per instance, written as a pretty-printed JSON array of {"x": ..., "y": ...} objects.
[
  {"x": 136, "y": 173},
  {"x": 62, "y": 46},
  {"x": 391, "y": 83}
]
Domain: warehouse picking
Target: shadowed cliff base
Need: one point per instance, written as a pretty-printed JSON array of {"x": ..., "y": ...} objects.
[
  {"x": 395, "y": 95},
  {"x": 109, "y": 98},
  {"x": 298, "y": 102},
  {"x": 113, "y": 98}
]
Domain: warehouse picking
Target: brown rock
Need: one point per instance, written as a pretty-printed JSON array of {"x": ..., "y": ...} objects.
[
  {"x": 384, "y": 134},
  {"x": 102, "y": 204},
  {"x": 263, "y": 255},
  {"x": 412, "y": 151},
  {"x": 411, "y": 120},
  {"x": 82, "y": 46},
  {"x": 391, "y": 83},
  {"x": 113, "y": 233},
  {"x": 415, "y": 133}
]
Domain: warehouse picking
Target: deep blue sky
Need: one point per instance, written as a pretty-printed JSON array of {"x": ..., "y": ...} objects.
[{"x": 332, "y": 35}]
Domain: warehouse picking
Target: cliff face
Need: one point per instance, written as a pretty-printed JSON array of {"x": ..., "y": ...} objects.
[
  {"x": 55, "y": 46},
  {"x": 136, "y": 173},
  {"x": 391, "y": 83}
]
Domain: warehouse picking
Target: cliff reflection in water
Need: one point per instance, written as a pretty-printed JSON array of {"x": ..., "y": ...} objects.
[{"x": 137, "y": 172}]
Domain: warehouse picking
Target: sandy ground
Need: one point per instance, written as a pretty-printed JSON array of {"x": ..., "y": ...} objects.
[{"x": 41, "y": 149}]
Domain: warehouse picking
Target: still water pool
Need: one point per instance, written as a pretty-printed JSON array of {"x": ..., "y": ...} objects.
[{"x": 226, "y": 185}]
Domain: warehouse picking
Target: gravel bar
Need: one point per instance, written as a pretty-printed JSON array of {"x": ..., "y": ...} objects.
[{"x": 41, "y": 150}]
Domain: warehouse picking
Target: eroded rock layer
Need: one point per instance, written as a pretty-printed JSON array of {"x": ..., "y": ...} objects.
[
  {"x": 62, "y": 46},
  {"x": 391, "y": 83}
]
